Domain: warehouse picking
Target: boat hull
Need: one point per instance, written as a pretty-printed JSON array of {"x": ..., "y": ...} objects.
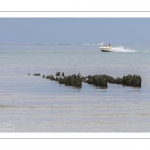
[{"x": 106, "y": 49}]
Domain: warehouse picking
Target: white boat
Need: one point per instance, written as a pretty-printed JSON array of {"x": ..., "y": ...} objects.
[
  {"x": 107, "y": 49},
  {"x": 112, "y": 49}
]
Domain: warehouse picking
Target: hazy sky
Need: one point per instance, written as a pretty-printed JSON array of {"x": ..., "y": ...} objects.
[{"x": 74, "y": 30}]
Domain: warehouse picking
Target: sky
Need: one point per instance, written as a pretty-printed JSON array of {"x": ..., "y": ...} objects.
[{"x": 74, "y": 30}]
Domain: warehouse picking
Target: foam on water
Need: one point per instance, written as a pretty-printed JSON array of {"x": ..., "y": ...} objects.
[{"x": 122, "y": 49}]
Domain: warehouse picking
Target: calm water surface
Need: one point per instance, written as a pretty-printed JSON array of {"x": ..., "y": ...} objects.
[{"x": 32, "y": 104}]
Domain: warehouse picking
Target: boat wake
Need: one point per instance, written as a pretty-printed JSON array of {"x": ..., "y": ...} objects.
[{"x": 121, "y": 49}]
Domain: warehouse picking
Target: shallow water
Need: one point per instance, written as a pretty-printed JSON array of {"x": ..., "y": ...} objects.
[{"x": 32, "y": 104}]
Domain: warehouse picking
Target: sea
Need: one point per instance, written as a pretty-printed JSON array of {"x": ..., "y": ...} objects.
[{"x": 31, "y": 103}]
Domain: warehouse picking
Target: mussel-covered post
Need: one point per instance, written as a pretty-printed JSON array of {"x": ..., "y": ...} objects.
[
  {"x": 98, "y": 80},
  {"x": 130, "y": 80}
]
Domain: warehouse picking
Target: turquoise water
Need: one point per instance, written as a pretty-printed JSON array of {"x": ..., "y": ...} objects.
[{"x": 32, "y": 104}]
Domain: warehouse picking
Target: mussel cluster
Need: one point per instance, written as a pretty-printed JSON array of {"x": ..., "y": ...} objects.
[{"x": 97, "y": 80}]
